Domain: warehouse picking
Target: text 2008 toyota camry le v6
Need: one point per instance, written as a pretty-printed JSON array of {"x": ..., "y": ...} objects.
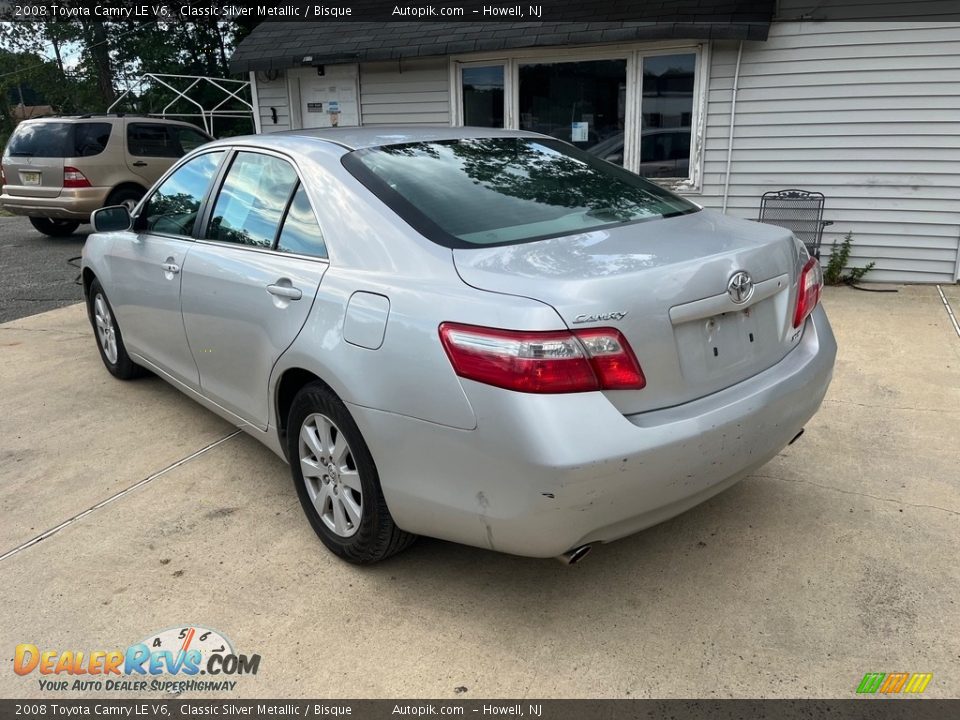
[{"x": 484, "y": 336}]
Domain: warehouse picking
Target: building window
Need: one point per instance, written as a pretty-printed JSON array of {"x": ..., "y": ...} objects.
[
  {"x": 482, "y": 95},
  {"x": 666, "y": 113},
  {"x": 583, "y": 103},
  {"x": 635, "y": 106}
]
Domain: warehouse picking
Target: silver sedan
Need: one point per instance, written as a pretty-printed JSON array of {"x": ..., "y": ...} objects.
[{"x": 478, "y": 335}]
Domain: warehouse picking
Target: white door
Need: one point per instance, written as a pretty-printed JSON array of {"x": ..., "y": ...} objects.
[{"x": 331, "y": 99}]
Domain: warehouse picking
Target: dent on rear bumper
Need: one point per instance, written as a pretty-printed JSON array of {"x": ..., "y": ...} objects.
[{"x": 545, "y": 473}]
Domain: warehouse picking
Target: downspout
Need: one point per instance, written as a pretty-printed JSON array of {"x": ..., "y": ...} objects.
[{"x": 733, "y": 123}]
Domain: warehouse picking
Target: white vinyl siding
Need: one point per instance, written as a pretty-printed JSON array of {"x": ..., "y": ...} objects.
[
  {"x": 868, "y": 113},
  {"x": 272, "y": 93},
  {"x": 402, "y": 92}
]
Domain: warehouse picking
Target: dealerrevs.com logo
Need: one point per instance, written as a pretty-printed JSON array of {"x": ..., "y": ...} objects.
[{"x": 171, "y": 660}]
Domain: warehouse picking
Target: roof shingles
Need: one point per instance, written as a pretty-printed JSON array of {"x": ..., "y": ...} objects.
[{"x": 281, "y": 45}]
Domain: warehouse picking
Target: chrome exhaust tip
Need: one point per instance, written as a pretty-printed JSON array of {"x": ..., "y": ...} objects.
[{"x": 572, "y": 557}]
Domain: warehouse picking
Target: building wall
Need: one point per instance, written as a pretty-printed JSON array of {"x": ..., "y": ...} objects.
[
  {"x": 405, "y": 92},
  {"x": 272, "y": 93},
  {"x": 866, "y": 113}
]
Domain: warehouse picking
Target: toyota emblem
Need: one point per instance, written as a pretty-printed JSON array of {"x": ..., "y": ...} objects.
[{"x": 740, "y": 287}]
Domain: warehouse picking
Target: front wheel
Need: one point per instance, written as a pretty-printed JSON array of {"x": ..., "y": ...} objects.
[
  {"x": 54, "y": 227},
  {"x": 109, "y": 340},
  {"x": 337, "y": 481}
]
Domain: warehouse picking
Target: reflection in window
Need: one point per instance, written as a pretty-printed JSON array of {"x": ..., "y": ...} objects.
[
  {"x": 173, "y": 207},
  {"x": 252, "y": 200},
  {"x": 483, "y": 96},
  {"x": 667, "y": 112},
  {"x": 503, "y": 190},
  {"x": 301, "y": 233},
  {"x": 580, "y": 102}
]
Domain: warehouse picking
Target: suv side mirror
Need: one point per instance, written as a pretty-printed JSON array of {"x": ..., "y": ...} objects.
[{"x": 111, "y": 219}]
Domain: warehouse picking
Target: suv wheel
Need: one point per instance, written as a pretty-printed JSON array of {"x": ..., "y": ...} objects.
[
  {"x": 54, "y": 227},
  {"x": 126, "y": 196}
]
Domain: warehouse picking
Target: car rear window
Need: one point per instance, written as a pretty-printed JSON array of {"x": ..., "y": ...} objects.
[
  {"x": 59, "y": 139},
  {"x": 500, "y": 191}
]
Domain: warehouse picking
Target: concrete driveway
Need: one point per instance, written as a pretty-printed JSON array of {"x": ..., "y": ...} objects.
[{"x": 838, "y": 558}]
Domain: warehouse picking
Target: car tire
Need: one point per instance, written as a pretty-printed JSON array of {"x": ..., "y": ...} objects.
[
  {"x": 54, "y": 227},
  {"x": 108, "y": 337},
  {"x": 128, "y": 196},
  {"x": 337, "y": 481}
]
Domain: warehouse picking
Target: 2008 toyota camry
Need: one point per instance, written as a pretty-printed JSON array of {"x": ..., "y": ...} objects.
[{"x": 484, "y": 336}]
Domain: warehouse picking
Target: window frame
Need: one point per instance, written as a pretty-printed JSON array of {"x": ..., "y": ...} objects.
[
  {"x": 210, "y": 202},
  {"x": 633, "y": 53},
  {"x": 145, "y": 202}
]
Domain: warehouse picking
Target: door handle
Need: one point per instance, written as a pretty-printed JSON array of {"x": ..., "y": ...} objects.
[
  {"x": 140, "y": 163},
  {"x": 170, "y": 267},
  {"x": 285, "y": 291}
]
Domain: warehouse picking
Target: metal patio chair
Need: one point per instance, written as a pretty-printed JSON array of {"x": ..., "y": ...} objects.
[{"x": 798, "y": 210}]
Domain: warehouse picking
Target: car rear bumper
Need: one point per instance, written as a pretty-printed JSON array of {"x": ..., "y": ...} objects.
[
  {"x": 70, "y": 204},
  {"x": 542, "y": 474}
]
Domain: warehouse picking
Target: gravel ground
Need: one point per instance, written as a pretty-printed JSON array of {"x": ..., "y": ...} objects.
[{"x": 36, "y": 274}]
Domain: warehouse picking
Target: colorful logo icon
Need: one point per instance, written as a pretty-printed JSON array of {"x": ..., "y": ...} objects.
[{"x": 892, "y": 683}]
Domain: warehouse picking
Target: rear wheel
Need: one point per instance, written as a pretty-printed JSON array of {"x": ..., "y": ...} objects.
[
  {"x": 54, "y": 227},
  {"x": 126, "y": 196},
  {"x": 109, "y": 340},
  {"x": 337, "y": 481}
]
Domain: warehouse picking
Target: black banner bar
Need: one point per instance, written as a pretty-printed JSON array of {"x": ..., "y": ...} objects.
[{"x": 593, "y": 11}]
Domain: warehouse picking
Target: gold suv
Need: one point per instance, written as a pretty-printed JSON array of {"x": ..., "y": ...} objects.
[{"x": 56, "y": 171}]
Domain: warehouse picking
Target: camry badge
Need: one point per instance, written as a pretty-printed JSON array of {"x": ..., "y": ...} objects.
[
  {"x": 600, "y": 317},
  {"x": 740, "y": 287}
]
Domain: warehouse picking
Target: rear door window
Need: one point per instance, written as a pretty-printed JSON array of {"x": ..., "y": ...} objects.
[
  {"x": 186, "y": 139},
  {"x": 41, "y": 139},
  {"x": 301, "y": 232},
  {"x": 252, "y": 200},
  {"x": 150, "y": 140},
  {"x": 174, "y": 206}
]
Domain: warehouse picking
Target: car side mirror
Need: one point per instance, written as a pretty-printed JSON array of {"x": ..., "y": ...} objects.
[{"x": 111, "y": 219}]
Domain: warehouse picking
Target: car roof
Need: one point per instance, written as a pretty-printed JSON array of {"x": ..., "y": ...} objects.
[{"x": 355, "y": 138}]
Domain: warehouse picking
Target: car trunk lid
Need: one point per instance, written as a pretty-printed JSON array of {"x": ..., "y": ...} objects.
[{"x": 664, "y": 284}]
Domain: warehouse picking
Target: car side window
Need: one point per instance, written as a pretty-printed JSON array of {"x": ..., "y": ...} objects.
[
  {"x": 301, "y": 231},
  {"x": 186, "y": 139},
  {"x": 91, "y": 138},
  {"x": 251, "y": 202},
  {"x": 174, "y": 206},
  {"x": 150, "y": 140}
]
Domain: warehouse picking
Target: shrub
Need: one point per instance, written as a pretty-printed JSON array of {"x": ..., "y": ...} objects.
[{"x": 837, "y": 272}]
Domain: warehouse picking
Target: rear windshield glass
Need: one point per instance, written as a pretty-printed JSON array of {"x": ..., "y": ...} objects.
[
  {"x": 59, "y": 139},
  {"x": 498, "y": 191}
]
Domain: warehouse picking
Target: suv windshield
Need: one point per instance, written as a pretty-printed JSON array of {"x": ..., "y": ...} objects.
[
  {"x": 59, "y": 139},
  {"x": 498, "y": 191}
]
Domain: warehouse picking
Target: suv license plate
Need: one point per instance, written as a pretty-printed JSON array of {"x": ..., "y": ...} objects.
[{"x": 30, "y": 178}]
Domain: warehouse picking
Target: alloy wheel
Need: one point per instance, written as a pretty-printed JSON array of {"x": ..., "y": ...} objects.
[
  {"x": 106, "y": 330},
  {"x": 330, "y": 475}
]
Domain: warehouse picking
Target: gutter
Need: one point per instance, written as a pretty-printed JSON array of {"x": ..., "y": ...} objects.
[{"x": 733, "y": 123}]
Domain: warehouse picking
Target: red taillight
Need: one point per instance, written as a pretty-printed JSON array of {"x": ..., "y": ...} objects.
[
  {"x": 808, "y": 291},
  {"x": 73, "y": 178},
  {"x": 543, "y": 362}
]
